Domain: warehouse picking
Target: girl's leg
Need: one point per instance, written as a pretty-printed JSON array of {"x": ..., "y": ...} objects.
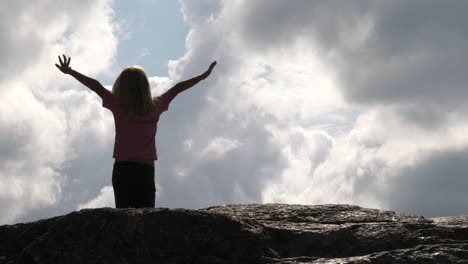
[
  {"x": 122, "y": 194},
  {"x": 144, "y": 187},
  {"x": 133, "y": 185}
]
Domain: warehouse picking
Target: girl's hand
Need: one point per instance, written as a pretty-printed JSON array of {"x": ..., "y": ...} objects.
[
  {"x": 212, "y": 66},
  {"x": 64, "y": 65},
  {"x": 208, "y": 72}
]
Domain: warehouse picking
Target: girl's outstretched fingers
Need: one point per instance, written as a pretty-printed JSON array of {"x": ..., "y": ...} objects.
[
  {"x": 208, "y": 72},
  {"x": 212, "y": 65},
  {"x": 65, "y": 60},
  {"x": 64, "y": 65}
]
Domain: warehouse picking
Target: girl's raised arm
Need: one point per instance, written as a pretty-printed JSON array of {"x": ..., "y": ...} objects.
[
  {"x": 85, "y": 80},
  {"x": 184, "y": 85}
]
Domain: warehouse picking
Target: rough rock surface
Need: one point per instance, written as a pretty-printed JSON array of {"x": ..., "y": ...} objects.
[{"x": 243, "y": 233}]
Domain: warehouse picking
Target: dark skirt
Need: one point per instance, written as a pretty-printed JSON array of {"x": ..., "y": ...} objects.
[{"x": 133, "y": 185}]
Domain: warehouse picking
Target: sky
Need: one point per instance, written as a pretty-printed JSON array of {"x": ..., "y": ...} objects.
[{"x": 311, "y": 102}]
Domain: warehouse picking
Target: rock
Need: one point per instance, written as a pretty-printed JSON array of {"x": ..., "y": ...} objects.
[{"x": 242, "y": 233}]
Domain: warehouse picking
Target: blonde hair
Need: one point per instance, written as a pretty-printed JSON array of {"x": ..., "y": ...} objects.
[{"x": 133, "y": 92}]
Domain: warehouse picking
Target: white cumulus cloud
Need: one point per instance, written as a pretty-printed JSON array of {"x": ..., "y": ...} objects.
[
  {"x": 40, "y": 120},
  {"x": 104, "y": 199}
]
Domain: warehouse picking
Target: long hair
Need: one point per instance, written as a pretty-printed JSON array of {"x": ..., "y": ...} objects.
[{"x": 133, "y": 92}]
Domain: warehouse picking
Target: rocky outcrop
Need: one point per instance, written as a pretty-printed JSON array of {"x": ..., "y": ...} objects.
[{"x": 245, "y": 233}]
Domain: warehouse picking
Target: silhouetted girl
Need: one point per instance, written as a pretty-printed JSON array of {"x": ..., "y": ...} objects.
[{"x": 136, "y": 114}]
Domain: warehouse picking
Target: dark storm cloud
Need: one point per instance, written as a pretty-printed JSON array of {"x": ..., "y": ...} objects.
[{"x": 436, "y": 187}]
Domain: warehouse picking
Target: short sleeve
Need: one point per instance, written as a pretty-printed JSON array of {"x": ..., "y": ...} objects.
[
  {"x": 165, "y": 99},
  {"x": 108, "y": 100}
]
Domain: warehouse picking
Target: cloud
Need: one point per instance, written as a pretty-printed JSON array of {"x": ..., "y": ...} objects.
[
  {"x": 384, "y": 52},
  {"x": 104, "y": 199},
  {"x": 374, "y": 89},
  {"x": 436, "y": 187},
  {"x": 39, "y": 123},
  {"x": 219, "y": 142},
  {"x": 370, "y": 165},
  {"x": 218, "y": 147}
]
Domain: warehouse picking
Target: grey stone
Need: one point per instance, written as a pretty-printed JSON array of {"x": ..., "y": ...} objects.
[{"x": 237, "y": 233}]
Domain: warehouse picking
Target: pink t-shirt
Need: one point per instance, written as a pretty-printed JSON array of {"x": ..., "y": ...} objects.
[{"x": 135, "y": 136}]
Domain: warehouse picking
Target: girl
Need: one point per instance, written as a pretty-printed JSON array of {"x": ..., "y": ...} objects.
[{"x": 136, "y": 114}]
